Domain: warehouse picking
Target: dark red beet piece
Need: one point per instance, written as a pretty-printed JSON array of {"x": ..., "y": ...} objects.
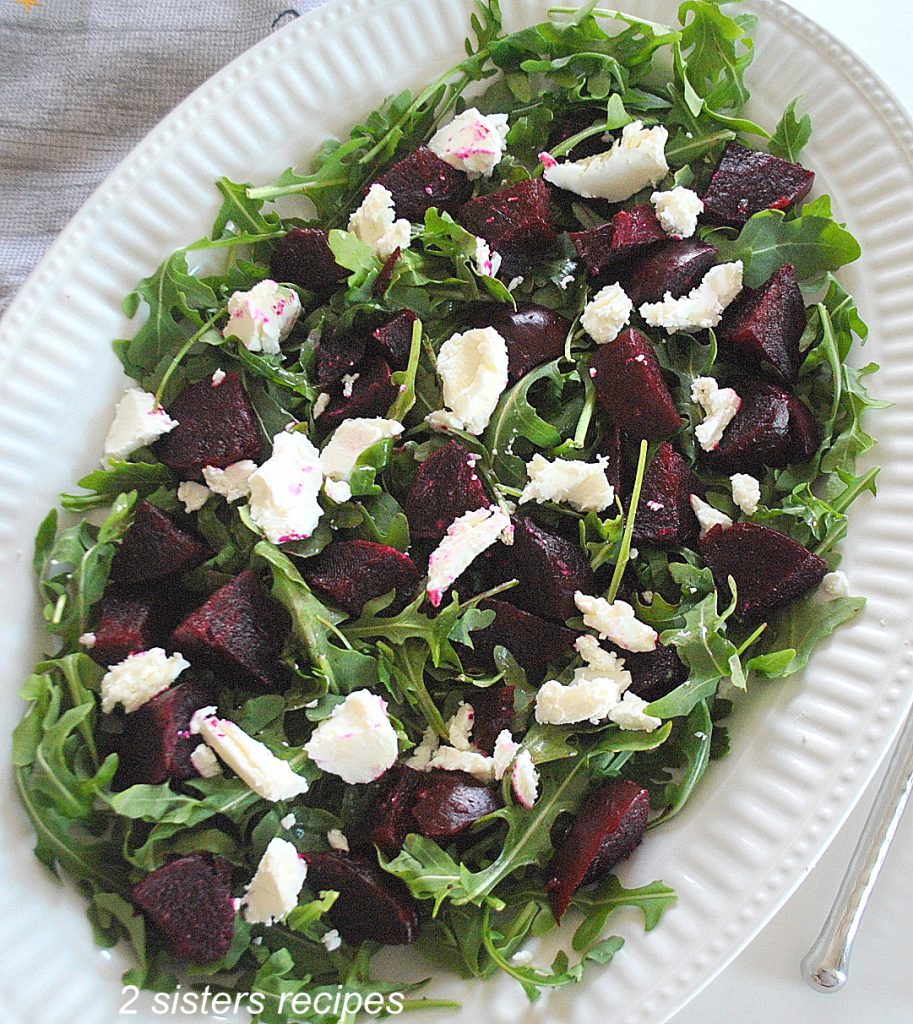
[
  {"x": 631, "y": 389},
  {"x": 155, "y": 742},
  {"x": 371, "y": 904},
  {"x": 610, "y": 449},
  {"x": 804, "y": 432},
  {"x": 189, "y": 902},
  {"x": 533, "y": 641},
  {"x": 445, "y": 486},
  {"x": 423, "y": 180},
  {"x": 352, "y": 572},
  {"x": 385, "y": 278},
  {"x": 155, "y": 547},
  {"x": 574, "y": 122},
  {"x": 448, "y": 802},
  {"x": 516, "y": 221},
  {"x": 304, "y": 257},
  {"x": 390, "y": 819},
  {"x": 494, "y": 712},
  {"x": 653, "y": 673},
  {"x": 746, "y": 181},
  {"x": 675, "y": 266},
  {"x": 372, "y": 394},
  {"x": 628, "y": 234},
  {"x": 770, "y": 569},
  {"x": 609, "y": 826},
  {"x": 217, "y": 426},
  {"x": 664, "y": 513},
  {"x": 238, "y": 631},
  {"x": 534, "y": 334},
  {"x": 394, "y": 338},
  {"x": 128, "y": 621},
  {"x": 763, "y": 326},
  {"x": 337, "y": 355}
]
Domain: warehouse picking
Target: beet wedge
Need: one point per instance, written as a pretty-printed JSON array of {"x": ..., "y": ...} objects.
[
  {"x": 337, "y": 355},
  {"x": 770, "y": 569},
  {"x": 390, "y": 817},
  {"x": 532, "y": 640},
  {"x": 534, "y": 334},
  {"x": 746, "y": 181},
  {"x": 155, "y": 547},
  {"x": 352, "y": 572},
  {"x": 372, "y": 394},
  {"x": 304, "y": 257},
  {"x": 447, "y": 803},
  {"x": 629, "y": 233},
  {"x": 664, "y": 513},
  {"x": 762, "y": 328},
  {"x": 630, "y": 387},
  {"x": 128, "y": 621},
  {"x": 676, "y": 266},
  {"x": 422, "y": 180},
  {"x": 189, "y": 901},
  {"x": 445, "y": 486},
  {"x": 653, "y": 673},
  {"x": 394, "y": 338},
  {"x": 371, "y": 904},
  {"x": 609, "y": 827},
  {"x": 494, "y": 712},
  {"x": 516, "y": 221}
]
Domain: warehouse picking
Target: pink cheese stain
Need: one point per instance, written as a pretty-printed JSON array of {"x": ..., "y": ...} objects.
[{"x": 547, "y": 160}]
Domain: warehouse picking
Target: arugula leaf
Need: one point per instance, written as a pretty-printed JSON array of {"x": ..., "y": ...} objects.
[
  {"x": 598, "y": 902},
  {"x": 718, "y": 51},
  {"x": 119, "y": 477},
  {"x": 791, "y": 134}
]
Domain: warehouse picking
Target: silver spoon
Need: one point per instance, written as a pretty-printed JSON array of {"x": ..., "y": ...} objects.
[{"x": 826, "y": 965}]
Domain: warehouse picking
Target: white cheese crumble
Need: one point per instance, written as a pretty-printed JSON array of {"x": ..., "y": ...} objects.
[
  {"x": 252, "y": 761},
  {"x": 263, "y": 316},
  {"x": 357, "y": 742},
  {"x": 472, "y": 142},
  {"x": 584, "y": 700},
  {"x": 283, "y": 491},
  {"x": 321, "y": 403},
  {"x": 337, "y": 840},
  {"x": 522, "y": 958},
  {"x": 331, "y": 940},
  {"x": 505, "y": 750},
  {"x": 218, "y": 376},
  {"x": 422, "y": 754},
  {"x": 233, "y": 482},
  {"x": 472, "y": 367},
  {"x": 629, "y": 714},
  {"x": 337, "y": 490},
  {"x": 707, "y": 515},
  {"x": 719, "y": 406},
  {"x": 87, "y": 640},
  {"x": 677, "y": 210},
  {"x": 459, "y": 726},
  {"x": 192, "y": 495},
  {"x": 834, "y": 586},
  {"x": 615, "y": 622},
  {"x": 746, "y": 492},
  {"x": 449, "y": 759},
  {"x": 351, "y": 439},
  {"x": 515, "y": 282},
  {"x": 636, "y": 160},
  {"x": 487, "y": 262},
  {"x": 607, "y": 313},
  {"x": 467, "y": 537},
  {"x": 273, "y": 891},
  {"x": 348, "y": 384},
  {"x": 583, "y": 485},
  {"x": 138, "y": 421},
  {"x": 288, "y": 821},
  {"x": 205, "y": 762},
  {"x": 702, "y": 307},
  {"x": 375, "y": 223},
  {"x": 525, "y": 779},
  {"x": 138, "y": 678}
]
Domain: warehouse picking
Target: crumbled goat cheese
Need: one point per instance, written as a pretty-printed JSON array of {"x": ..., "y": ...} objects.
[
  {"x": 719, "y": 405},
  {"x": 138, "y": 678},
  {"x": 702, "y": 307},
  {"x": 565, "y": 282},
  {"x": 525, "y": 779},
  {"x": 505, "y": 750},
  {"x": 629, "y": 714},
  {"x": 331, "y": 940},
  {"x": 607, "y": 313},
  {"x": 472, "y": 142},
  {"x": 583, "y": 485},
  {"x": 193, "y": 495},
  {"x": 707, "y": 515},
  {"x": 449, "y": 759},
  {"x": 337, "y": 490},
  {"x": 515, "y": 282},
  {"x": 746, "y": 492},
  {"x": 522, "y": 958},
  {"x": 138, "y": 421},
  {"x": 283, "y": 491},
  {"x": 600, "y": 663},
  {"x": 584, "y": 700},
  {"x": 288, "y": 821},
  {"x": 337, "y": 840},
  {"x": 205, "y": 762},
  {"x": 487, "y": 262},
  {"x": 473, "y": 371},
  {"x": 459, "y": 726},
  {"x": 233, "y": 482},
  {"x": 616, "y": 622},
  {"x": 320, "y": 405},
  {"x": 375, "y": 223},
  {"x": 252, "y": 761},
  {"x": 263, "y": 316},
  {"x": 636, "y": 160},
  {"x": 422, "y": 754},
  {"x": 350, "y": 440},
  {"x": 834, "y": 586},
  {"x": 348, "y": 384},
  {"x": 357, "y": 742},
  {"x": 273, "y": 891},
  {"x": 467, "y": 537},
  {"x": 87, "y": 640},
  {"x": 678, "y": 210},
  {"x": 218, "y": 376}
]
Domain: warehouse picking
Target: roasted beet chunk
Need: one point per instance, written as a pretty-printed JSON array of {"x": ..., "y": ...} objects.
[
  {"x": 675, "y": 266},
  {"x": 189, "y": 902},
  {"x": 352, "y": 572},
  {"x": 746, "y": 181},
  {"x": 371, "y": 904},
  {"x": 390, "y": 819},
  {"x": 771, "y": 428},
  {"x": 769, "y": 569},
  {"x": 154, "y": 743},
  {"x": 447, "y": 803},
  {"x": 304, "y": 257},
  {"x": 573, "y": 123},
  {"x": 128, "y": 621},
  {"x": 445, "y": 486},
  {"x": 534, "y": 334},
  {"x": 629, "y": 233},
  {"x": 516, "y": 221},
  {"x": 609, "y": 826},
  {"x": 155, "y": 547},
  {"x": 372, "y": 394},
  {"x": 217, "y": 426},
  {"x": 610, "y": 449},
  {"x": 549, "y": 569},
  {"x": 337, "y": 355},
  {"x": 494, "y": 712},
  {"x": 653, "y": 673},
  {"x": 763, "y": 326},
  {"x": 238, "y": 631},
  {"x": 631, "y": 389},
  {"x": 423, "y": 180},
  {"x": 664, "y": 513},
  {"x": 394, "y": 338},
  {"x": 533, "y": 641}
]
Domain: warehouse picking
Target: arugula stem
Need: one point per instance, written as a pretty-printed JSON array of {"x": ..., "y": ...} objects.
[
  {"x": 406, "y": 379},
  {"x": 755, "y": 636},
  {"x": 624, "y": 551},
  {"x": 182, "y": 352}
]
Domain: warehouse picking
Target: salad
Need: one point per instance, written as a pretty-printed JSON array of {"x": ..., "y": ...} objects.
[{"x": 443, "y": 522}]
